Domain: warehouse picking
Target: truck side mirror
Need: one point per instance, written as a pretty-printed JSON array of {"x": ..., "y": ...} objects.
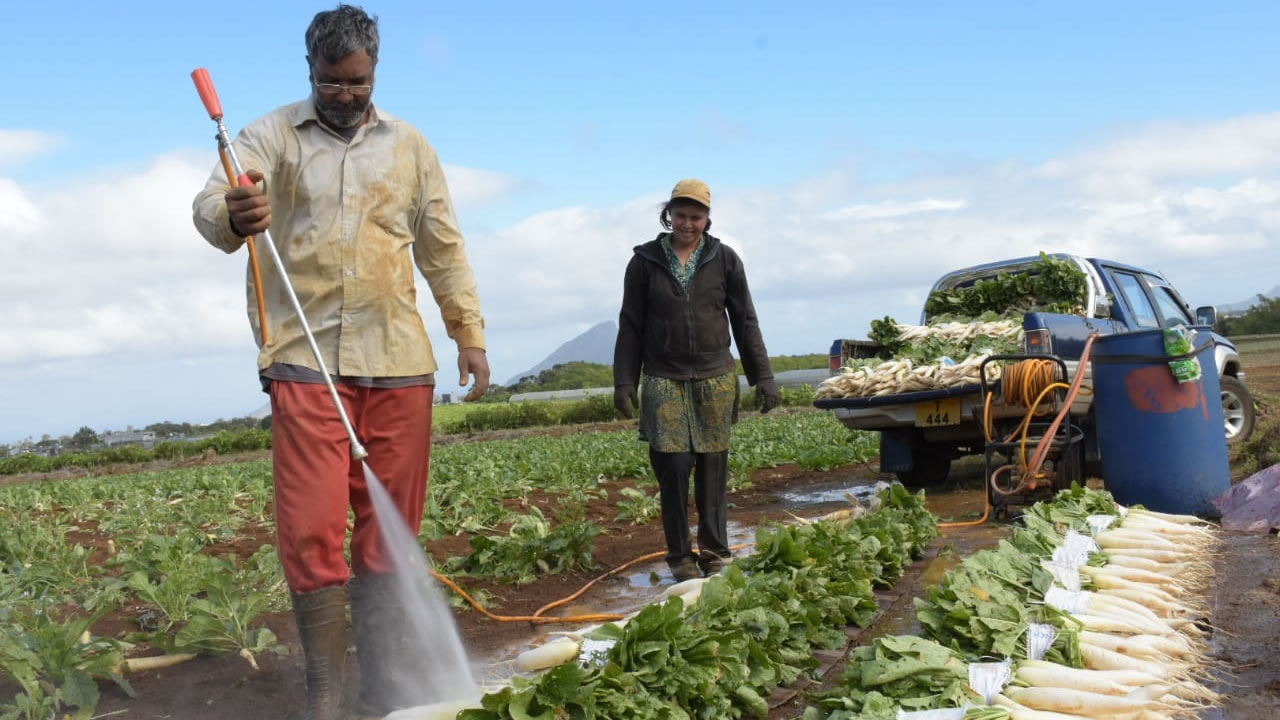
[{"x": 1207, "y": 315}]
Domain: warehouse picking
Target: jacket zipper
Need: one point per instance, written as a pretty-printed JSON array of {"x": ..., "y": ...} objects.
[{"x": 688, "y": 298}]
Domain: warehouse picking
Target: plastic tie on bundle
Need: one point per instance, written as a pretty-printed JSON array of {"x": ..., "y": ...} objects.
[
  {"x": 1079, "y": 545},
  {"x": 1098, "y": 523},
  {"x": 942, "y": 714},
  {"x": 988, "y": 679},
  {"x": 1067, "y": 575},
  {"x": 1063, "y": 556},
  {"x": 1068, "y": 601},
  {"x": 1040, "y": 638}
]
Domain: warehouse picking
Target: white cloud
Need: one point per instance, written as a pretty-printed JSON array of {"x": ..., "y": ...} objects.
[
  {"x": 472, "y": 187},
  {"x": 18, "y": 216},
  {"x": 826, "y": 255},
  {"x": 1250, "y": 143},
  {"x": 890, "y": 209},
  {"x": 111, "y": 264},
  {"x": 17, "y": 145}
]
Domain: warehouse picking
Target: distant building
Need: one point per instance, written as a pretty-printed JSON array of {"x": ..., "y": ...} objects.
[
  {"x": 47, "y": 448},
  {"x": 145, "y": 438},
  {"x": 448, "y": 399},
  {"x": 575, "y": 394}
]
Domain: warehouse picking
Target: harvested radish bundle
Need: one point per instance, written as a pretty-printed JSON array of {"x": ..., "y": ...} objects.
[
  {"x": 904, "y": 674},
  {"x": 984, "y": 606},
  {"x": 1110, "y": 599},
  {"x": 903, "y": 376}
]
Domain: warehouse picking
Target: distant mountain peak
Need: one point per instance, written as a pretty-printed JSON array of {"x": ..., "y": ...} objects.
[
  {"x": 1244, "y": 305},
  {"x": 593, "y": 346}
]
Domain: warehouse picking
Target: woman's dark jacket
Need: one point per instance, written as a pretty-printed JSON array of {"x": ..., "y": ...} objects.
[{"x": 684, "y": 335}]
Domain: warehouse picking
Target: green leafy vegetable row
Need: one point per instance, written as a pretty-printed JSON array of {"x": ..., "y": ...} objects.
[{"x": 752, "y": 630}]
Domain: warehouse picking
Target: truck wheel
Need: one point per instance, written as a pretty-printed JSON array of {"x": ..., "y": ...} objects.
[
  {"x": 1237, "y": 410},
  {"x": 930, "y": 469}
]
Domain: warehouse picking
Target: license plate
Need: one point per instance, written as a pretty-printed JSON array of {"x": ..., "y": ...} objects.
[{"x": 937, "y": 413}]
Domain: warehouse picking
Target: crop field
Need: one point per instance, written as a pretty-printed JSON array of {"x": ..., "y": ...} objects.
[
  {"x": 1260, "y": 355},
  {"x": 98, "y": 575},
  {"x": 181, "y": 560}
]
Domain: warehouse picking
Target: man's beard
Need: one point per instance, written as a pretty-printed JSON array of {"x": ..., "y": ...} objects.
[{"x": 342, "y": 116}]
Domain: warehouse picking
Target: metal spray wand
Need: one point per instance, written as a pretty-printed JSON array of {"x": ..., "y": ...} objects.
[{"x": 204, "y": 86}]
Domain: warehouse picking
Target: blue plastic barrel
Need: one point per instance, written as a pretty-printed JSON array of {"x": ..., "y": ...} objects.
[{"x": 1161, "y": 441}]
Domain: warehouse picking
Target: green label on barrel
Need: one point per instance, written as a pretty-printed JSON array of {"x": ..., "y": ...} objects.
[{"x": 1176, "y": 342}]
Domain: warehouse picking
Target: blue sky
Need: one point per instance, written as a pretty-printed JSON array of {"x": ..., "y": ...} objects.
[{"x": 1147, "y": 130}]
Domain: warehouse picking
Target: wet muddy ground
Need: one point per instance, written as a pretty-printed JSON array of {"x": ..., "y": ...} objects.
[{"x": 1246, "y": 611}]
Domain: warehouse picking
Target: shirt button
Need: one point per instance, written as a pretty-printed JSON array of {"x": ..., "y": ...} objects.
[{"x": 351, "y": 273}]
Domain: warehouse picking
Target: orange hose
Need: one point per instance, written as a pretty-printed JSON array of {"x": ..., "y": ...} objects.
[
  {"x": 1042, "y": 450},
  {"x": 615, "y": 571},
  {"x": 598, "y": 617},
  {"x": 538, "y": 618},
  {"x": 1026, "y": 425},
  {"x": 585, "y": 588},
  {"x": 1025, "y": 379},
  {"x": 253, "y": 255}
]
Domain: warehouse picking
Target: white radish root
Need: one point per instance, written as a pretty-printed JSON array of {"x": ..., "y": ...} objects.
[
  {"x": 1173, "y": 518},
  {"x": 154, "y": 662},
  {"x": 1078, "y": 702},
  {"x": 556, "y": 652}
]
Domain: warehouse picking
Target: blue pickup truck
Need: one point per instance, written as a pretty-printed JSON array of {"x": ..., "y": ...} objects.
[{"x": 1121, "y": 298}]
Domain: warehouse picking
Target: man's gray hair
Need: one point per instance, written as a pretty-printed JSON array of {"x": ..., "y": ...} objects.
[{"x": 335, "y": 34}]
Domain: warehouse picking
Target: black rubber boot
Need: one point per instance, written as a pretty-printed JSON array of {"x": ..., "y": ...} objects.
[
  {"x": 322, "y": 628},
  {"x": 382, "y": 648}
]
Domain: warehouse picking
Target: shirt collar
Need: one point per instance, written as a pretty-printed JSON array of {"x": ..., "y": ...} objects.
[{"x": 666, "y": 243}]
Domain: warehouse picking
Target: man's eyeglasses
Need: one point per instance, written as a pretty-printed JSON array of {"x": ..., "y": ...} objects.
[{"x": 331, "y": 90}]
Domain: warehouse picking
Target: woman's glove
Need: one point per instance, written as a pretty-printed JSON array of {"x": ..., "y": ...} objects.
[
  {"x": 625, "y": 400},
  {"x": 766, "y": 395}
]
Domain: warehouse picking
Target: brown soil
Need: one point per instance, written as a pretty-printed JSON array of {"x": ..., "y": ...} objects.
[{"x": 1263, "y": 379}]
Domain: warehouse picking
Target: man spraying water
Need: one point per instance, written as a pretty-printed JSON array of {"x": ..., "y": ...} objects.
[{"x": 353, "y": 198}]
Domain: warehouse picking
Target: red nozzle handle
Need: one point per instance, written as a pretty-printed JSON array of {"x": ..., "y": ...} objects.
[
  {"x": 244, "y": 181},
  {"x": 209, "y": 96}
]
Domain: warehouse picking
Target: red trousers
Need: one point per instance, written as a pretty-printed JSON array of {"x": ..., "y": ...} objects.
[{"x": 316, "y": 480}]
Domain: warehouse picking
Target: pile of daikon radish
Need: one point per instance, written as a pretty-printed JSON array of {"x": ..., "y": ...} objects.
[{"x": 1144, "y": 651}]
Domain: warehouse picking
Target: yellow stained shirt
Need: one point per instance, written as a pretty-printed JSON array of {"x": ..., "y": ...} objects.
[{"x": 350, "y": 220}]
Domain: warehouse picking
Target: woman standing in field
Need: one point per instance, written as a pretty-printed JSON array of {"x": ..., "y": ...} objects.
[{"x": 682, "y": 293}]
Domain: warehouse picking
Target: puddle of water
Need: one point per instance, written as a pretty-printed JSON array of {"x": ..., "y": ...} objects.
[
  {"x": 647, "y": 579},
  {"x": 740, "y": 534},
  {"x": 828, "y": 493}
]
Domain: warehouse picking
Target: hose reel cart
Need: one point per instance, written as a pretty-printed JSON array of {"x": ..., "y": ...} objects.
[{"x": 1033, "y": 448}]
